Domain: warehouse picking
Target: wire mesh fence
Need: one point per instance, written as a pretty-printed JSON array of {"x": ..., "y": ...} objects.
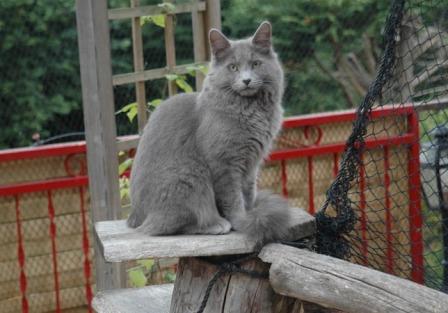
[{"x": 378, "y": 183}]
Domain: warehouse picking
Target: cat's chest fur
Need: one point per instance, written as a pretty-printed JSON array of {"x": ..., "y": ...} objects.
[{"x": 240, "y": 131}]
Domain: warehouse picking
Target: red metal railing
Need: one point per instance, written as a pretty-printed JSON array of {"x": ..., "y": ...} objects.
[
  {"x": 310, "y": 124},
  {"x": 410, "y": 139},
  {"x": 77, "y": 180}
]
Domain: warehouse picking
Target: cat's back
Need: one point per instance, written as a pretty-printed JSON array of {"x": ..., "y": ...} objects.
[
  {"x": 176, "y": 110},
  {"x": 172, "y": 122}
]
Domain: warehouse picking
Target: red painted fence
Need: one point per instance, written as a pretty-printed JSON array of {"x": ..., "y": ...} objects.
[{"x": 312, "y": 130}]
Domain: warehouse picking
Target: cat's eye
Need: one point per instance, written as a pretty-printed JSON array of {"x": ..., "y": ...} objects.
[
  {"x": 256, "y": 63},
  {"x": 233, "y": 67}
]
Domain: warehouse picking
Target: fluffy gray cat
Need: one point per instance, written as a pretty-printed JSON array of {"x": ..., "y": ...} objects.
[{"x": 197, "y": 161}]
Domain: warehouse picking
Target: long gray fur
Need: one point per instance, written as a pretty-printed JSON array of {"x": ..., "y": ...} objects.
[{"x": 197, "y": 161}]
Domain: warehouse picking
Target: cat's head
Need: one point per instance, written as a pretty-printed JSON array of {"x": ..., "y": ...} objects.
[{"x": 245, "y": 66}]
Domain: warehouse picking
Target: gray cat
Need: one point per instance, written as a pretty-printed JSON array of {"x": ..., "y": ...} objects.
[{"x": 197, "y": 161}]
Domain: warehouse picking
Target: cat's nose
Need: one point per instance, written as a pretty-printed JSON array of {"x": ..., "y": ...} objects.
[{"x": 247, "y": 81}]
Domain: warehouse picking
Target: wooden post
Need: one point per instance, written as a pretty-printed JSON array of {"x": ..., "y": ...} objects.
[
  {"x": 212, "y": 18},
  {"x": 139, "y": 66},
  {"x": 100, "y": 128},
  {"x": 200, "y": 42},
  {"x": 233, "y": 292},
  {"x": 170, "y": 49}
]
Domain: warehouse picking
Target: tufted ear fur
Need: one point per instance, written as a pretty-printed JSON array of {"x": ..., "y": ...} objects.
[
  {"x": 263, "y": 36},
  {"x": 218, "y": 42}
]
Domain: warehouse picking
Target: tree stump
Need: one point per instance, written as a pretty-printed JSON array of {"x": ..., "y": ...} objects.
[{"x": 232, "y": 292}]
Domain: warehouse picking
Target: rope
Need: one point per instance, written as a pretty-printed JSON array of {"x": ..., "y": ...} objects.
[{"x": 235, "y": 267}]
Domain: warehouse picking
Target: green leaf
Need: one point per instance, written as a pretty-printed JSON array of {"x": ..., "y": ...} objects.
[
  {"x": 127, "y": 107},
  {"x": 182, "y": 83},
  {"x": 137, "y": 278},
  {"x": 200, "y": 67},
  {"x": 132, "y": 114},
  {"x": 145, "y": 20},
  {"x": 124, "y": 166},
  {"x": 124, "y": 193},
  {"x": 167, "y": 7},
  {"x": 147, "y": 264},
  {"x": 171, "y": 77},
  {"x": 158, "y": 20},
  {"x": 170, "y": 277},
  {"x": 155, "y": 102}
]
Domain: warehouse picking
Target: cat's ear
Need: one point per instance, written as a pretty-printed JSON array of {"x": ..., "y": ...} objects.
[
  {"x": 263, "y": 36},
  {"x": 218, "y": 42}
]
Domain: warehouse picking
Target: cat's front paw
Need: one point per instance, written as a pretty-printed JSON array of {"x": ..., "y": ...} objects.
[{"x": 222, "y": 226}]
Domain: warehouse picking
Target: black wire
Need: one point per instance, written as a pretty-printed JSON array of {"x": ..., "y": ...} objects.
[{"x": 57, "y": 137}]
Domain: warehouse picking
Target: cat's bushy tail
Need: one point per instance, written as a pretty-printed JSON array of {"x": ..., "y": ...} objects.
[{"x": 269, "y": 219}]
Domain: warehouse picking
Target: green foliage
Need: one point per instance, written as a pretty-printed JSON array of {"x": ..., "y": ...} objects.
[
  {"x": 306, "y": 31},
  {"x": 39, "y": 66},
  {"x": 40, "y": 88},
  {"x": 181, "y": 82},
  {"x": 158, "y": 20}
]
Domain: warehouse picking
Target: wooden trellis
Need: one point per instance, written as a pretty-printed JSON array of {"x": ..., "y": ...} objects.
[
  {"x": 202, "y": 19},
  {"x": 93, "y": 18}
]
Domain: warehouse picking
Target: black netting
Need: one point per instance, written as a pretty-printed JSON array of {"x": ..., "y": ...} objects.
[{"x": 386, "y": 208}]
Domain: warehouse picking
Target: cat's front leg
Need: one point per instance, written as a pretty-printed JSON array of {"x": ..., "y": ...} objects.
[
  {"x": 229, "y": 199},
  {"x": 250, "y": 190}
]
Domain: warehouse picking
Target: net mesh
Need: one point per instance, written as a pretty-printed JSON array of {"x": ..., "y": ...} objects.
[{"x": 385, "y": 209}]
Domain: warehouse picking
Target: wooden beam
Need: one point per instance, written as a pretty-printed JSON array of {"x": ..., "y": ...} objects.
[
  {"x": 200, "y": 43},
  {"x": 352, "y": 288},
  {"x": 150, "y": 299},
  {"x": 137, "y": 49},
  {"x": 126, "y": 143},
  {"x": 170, "y": 49},
  {"x": 100, "y": 128},
  {"x": 127, "y": 13},
  {"x": 212, "y": 18},
  {"x": 129, "y": 78},
  {"x": 121, "y": 243}
]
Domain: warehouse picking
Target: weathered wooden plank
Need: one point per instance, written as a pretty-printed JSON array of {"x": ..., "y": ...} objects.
[
  {"x": 128, "y": 78},
  {"x": 212, "y": 17},
  {"x": 199, "y": 44},
  {"x": 126, "y": 143},
  {"x": 345, "y": 286},
  {"x": 170, "y": 49},
  {"x": 124, "y": 13},
  {"x": 151, "y": 299},
  {"x": 121, "y": 243},
  {"x": 137, "y": 51},
  {"x": 99, "y": 121}
]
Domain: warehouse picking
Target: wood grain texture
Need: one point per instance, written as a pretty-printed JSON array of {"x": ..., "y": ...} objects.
[
  {"x": 125, "y": 13},
  {"x": 99, "y": 119},
  {"x": 170, "y": 49},
  {"x": 345, "y": 286},
  {"x": 121, "y": 243},
  {"x": 200, "y": 42},
  {"x": 232, "y": 292},
  {"x": 137, "y": 51},
  {"x": 151, "y": 299},
  {"x": 212, "y": 18},
  {"x": 127, "y": 78}
]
